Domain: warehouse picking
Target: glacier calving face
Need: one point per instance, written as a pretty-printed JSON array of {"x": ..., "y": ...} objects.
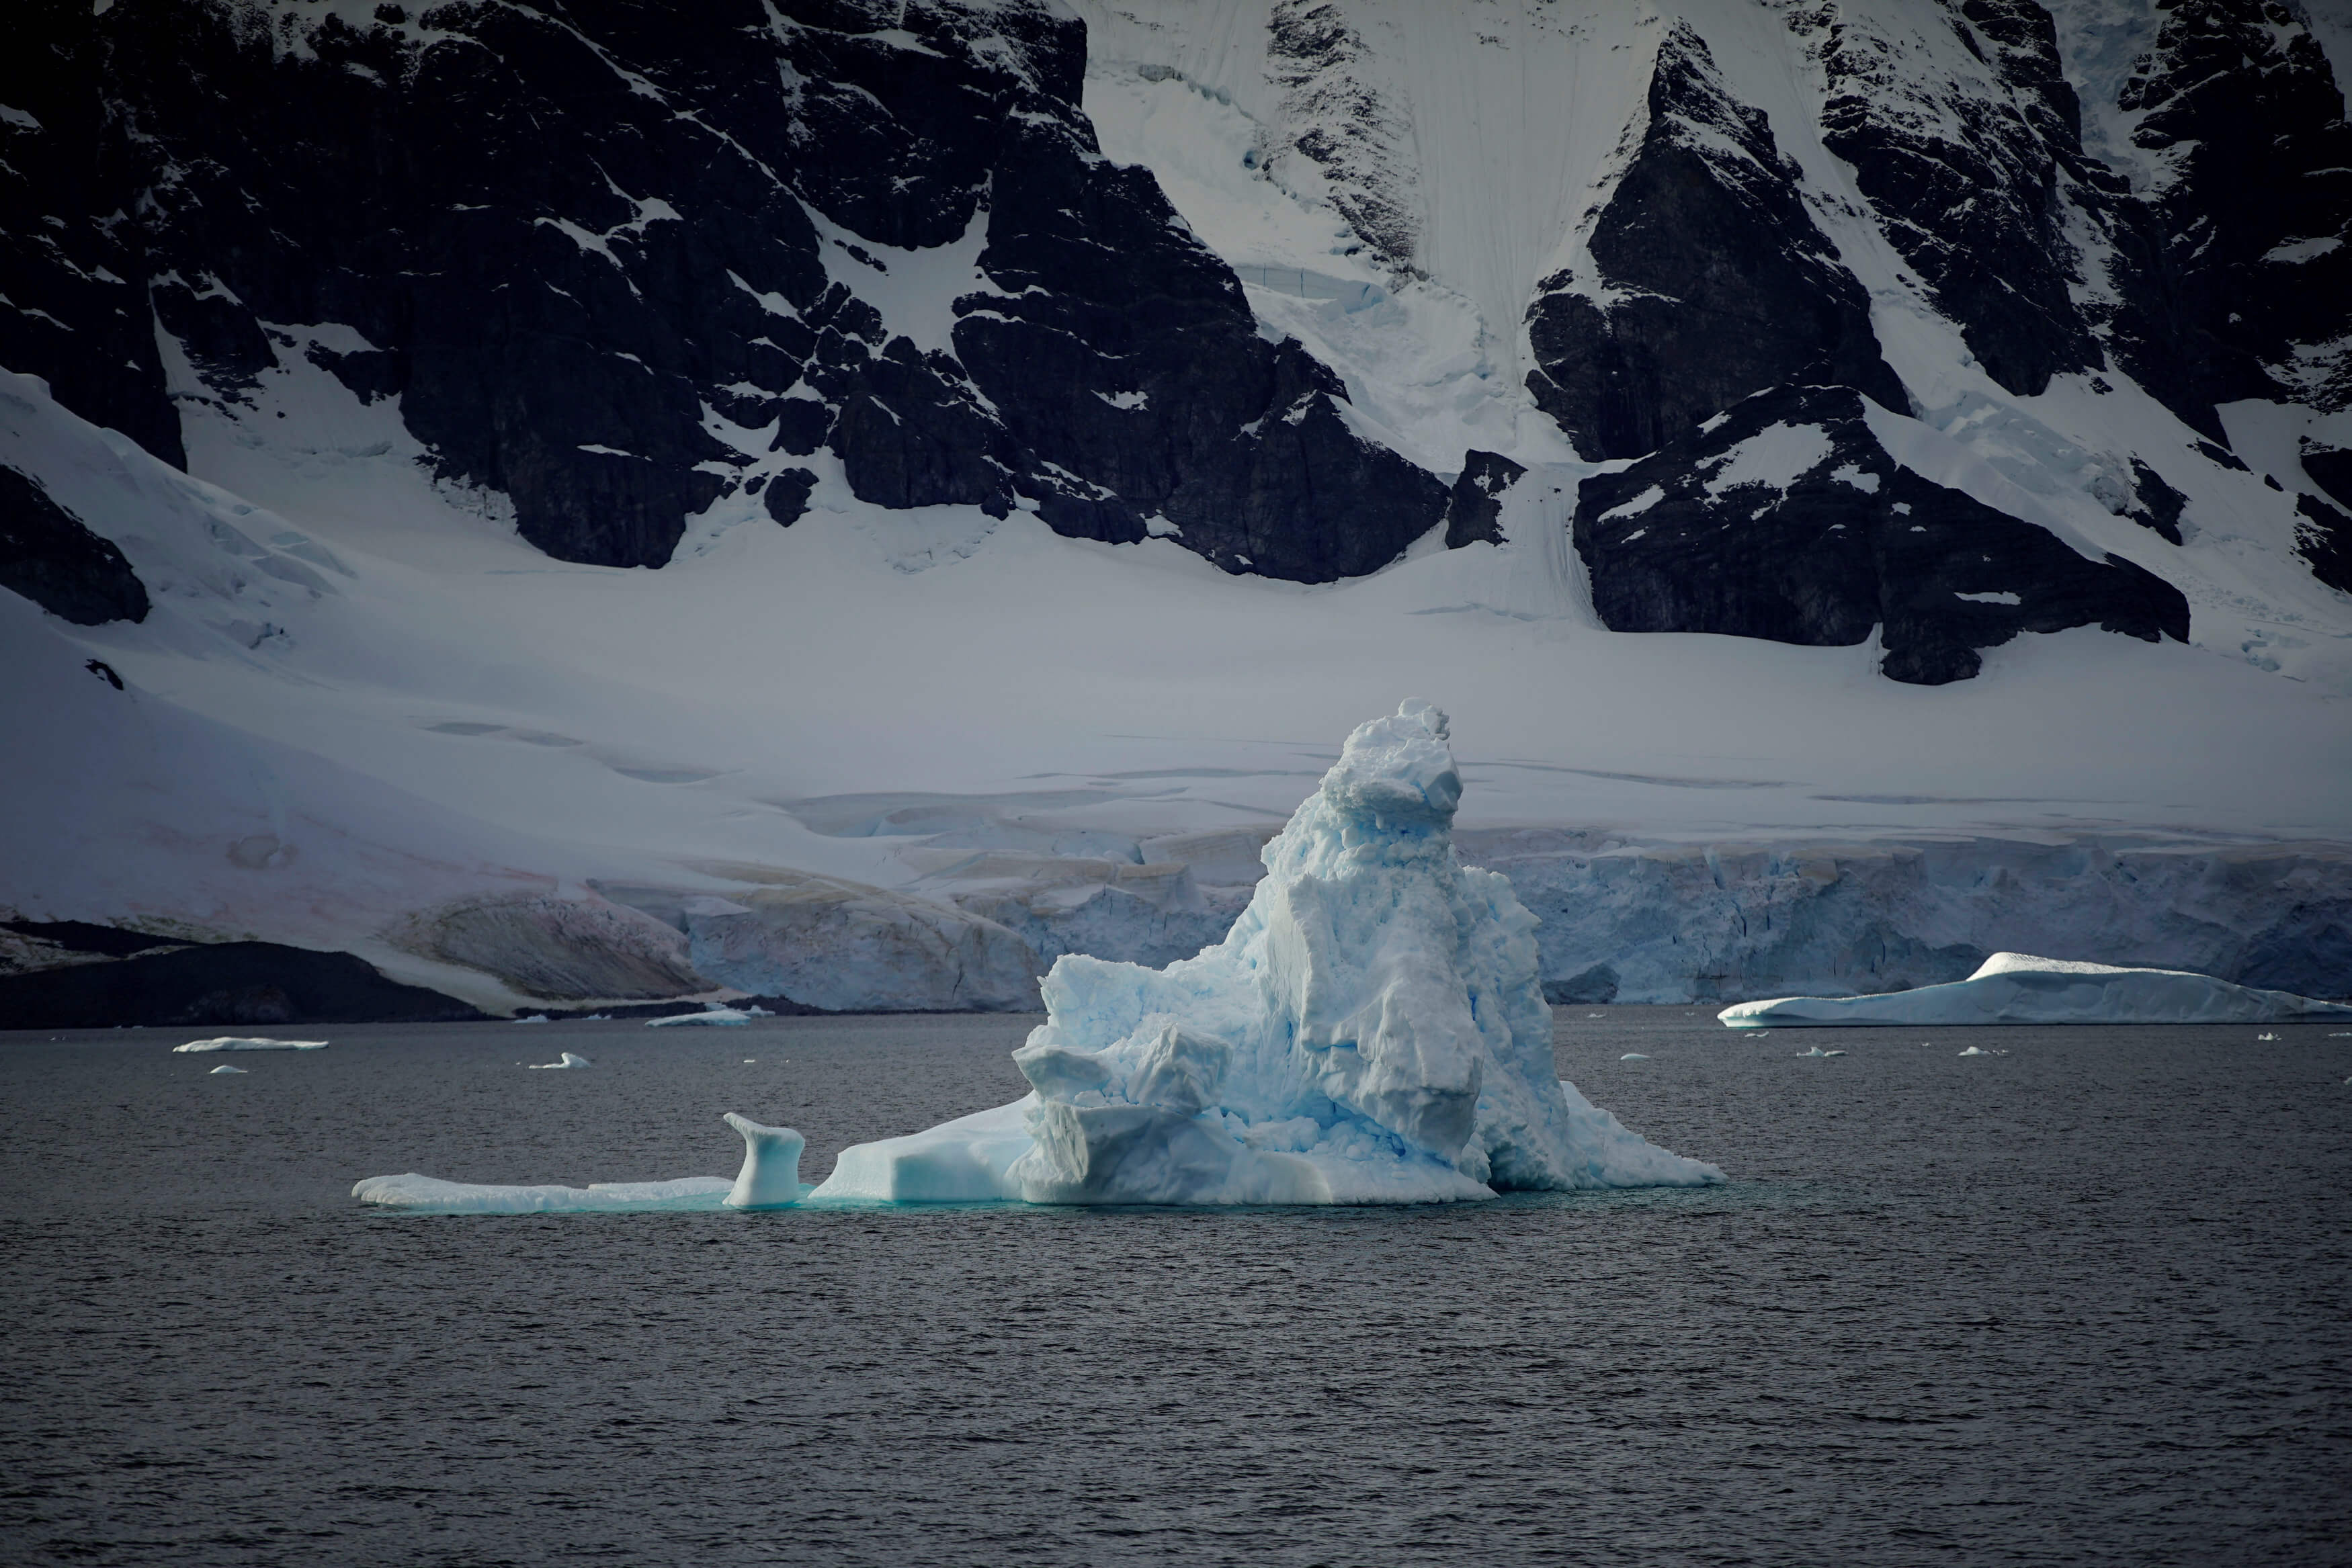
[
  {"x": 2016, "y": 988},
  {"x": 1372, "y": 1029}
]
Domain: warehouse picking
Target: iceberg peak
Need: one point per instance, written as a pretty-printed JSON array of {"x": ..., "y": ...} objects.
[{"x": 1372, "y": 1030}]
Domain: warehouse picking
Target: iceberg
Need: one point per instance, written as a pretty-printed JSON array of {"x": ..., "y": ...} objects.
[
  {"x": 225, "y": 1067},
  {"x": 1372, "y": 1030},
  {"x": 2016, "y": 988},
  {"x": 570, "y": 1059},
  {"x": 250, "y": 1042},
  {"x": 769, "y": 1179},
  {"x": 709, "y": 1018}
]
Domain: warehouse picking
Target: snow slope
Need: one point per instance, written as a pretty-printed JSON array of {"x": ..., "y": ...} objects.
[
  {"x": 335, "y": 731},
  {"x": 907, "y": 757}
]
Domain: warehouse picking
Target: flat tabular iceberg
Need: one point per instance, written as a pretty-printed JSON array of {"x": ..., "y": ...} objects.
[
  {"x": 709, "y": 1018},
  {"x": 1371, "y": 1031},
  {"x": 2016, "y": 988},
  {"x": 250, "y": 1042}
]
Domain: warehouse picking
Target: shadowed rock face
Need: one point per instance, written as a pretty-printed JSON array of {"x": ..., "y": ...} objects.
[
  {"x": 1719, "y": 283},
  {"x": 1474, "y": 511},
  {"x": 1787, "y": 521},
  {"x": 2323, "y": 539},
  {"x": 2239, "y": 294},
  {"x": 609, "y": 257},
  {"x": 1966, "y": 176},
  {"x": 46, "y": 555},
  {"x": 221, "y": 982}
]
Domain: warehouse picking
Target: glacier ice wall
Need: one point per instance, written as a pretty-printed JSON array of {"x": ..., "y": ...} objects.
[{"x": 1372, "y": 1030}]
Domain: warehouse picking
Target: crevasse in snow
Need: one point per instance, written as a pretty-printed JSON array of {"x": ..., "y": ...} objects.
[{"x": 1371, "y": 1031}]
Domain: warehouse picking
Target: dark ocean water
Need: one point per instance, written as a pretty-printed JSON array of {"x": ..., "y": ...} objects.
[{"x": 2084, "y": 1302}]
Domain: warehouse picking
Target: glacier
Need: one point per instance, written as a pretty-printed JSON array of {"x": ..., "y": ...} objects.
[
  {"x": 2016, "y": 988},
  {"x": 1372, "y": 1030}
]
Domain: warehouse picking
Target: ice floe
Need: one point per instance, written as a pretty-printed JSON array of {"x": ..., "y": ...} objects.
[
  {"x": 2018, "y": 988},
  {"x": 250, "y": 1042},
  {"x": 769, "y": 1179},
  {"x": 570, "y": 1059},
  {"x": 225, "y": 1067},
  {"x": 1371, "y": 1030}
]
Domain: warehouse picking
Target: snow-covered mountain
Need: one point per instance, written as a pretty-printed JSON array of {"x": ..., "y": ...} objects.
[{"x": 851, "y": 499}]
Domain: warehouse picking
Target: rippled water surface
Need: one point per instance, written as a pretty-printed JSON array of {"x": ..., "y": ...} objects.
[{"x": 2086, "y": 1301}]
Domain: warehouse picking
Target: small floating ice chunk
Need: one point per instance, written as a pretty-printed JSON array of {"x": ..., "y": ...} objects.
[
  {"x": 225, "y": 1067},
  {"x": 771, "y": 1176},
  {"x": 2265, "y": 1037},
  {"x": 250, "y": 1042},
  {"x": 712, "y": 1018},
  {"x": 1635, "y": 1056},
  {"x": 1817, "y": 1050},
  {"x": 2016, "y": 988},
  {"x": 1980, "y": 1050},
  {"x": 568, "y": 1061},
  {"x": 534, "y": 1017}
]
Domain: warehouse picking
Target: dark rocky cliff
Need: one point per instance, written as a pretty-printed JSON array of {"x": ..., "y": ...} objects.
[{"x": 572, "y": 235}]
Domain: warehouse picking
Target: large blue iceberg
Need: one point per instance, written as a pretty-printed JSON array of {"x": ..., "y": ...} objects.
[{"x": 1371, "y": 1031}]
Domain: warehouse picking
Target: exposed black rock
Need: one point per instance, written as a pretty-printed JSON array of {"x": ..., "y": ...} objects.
[
  {"x": 2222, "y": 456},
  {"x": 84, "y": 936},
  {"x": 2240, "y": 296},
  {"x": 787, "y": 496},
  {"x": 2330, "y": 468},
  {"x": 2158, "y": 506},
  {"x": 1968, "y": 186},
  {"x": 1135, "y": 380},
  {"x": 2324, "y": 541},
  {"x": 1681, "y": 542},
  {"x": 592, "y": 246},
  {"x": 1715, "y": 280},
  {"x": 911, "y": 433},
  {"x": 1474, "y": 510},
  {"x": 46, "y": 555},
  {"x": 221, "y": 982},
  {"x": 73, "y": 271}
]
